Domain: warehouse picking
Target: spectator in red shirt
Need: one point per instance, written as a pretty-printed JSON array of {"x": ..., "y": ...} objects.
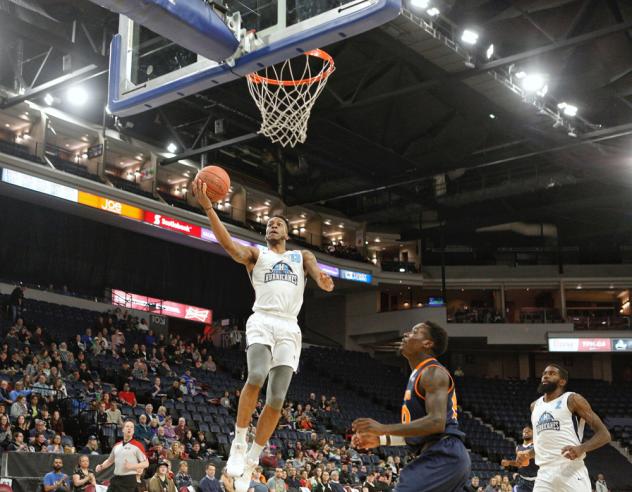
[{"x": 127, "y": 397}]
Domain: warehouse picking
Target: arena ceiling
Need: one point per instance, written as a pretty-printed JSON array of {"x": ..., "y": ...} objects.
[{"x": 403, "y": 141}]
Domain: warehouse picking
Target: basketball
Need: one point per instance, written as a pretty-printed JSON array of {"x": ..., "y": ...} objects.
[{"x": 217, "y": 182}]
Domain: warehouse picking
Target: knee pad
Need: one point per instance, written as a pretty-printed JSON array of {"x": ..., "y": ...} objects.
[{"x": 257, "y": 376}]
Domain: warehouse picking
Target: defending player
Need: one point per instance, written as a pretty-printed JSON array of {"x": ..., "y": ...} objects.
[
  {"x": 558, "y": 420},
  {"x": 272, "y": 333},
  {"x": 429, "y": 419},
  {"x": 527, "y": 469}
]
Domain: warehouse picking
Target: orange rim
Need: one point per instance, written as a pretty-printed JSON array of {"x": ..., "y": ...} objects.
[{"x": 328, "y": 68}]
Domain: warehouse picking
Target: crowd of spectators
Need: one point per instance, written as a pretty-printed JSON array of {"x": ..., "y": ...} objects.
[{"x": 35, "y": 405}]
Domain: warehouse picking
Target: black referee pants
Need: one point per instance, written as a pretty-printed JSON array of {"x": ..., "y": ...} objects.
[{"x": 123, "y": 483}]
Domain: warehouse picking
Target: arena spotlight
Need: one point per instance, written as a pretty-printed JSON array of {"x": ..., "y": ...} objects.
[
  {"x": 490, "y": 51},
  {"x": 49, "y": 99},
  {"x": 77, "y": 95},
  {"x": 533, "y": 82},
  {"x": 419, "y": 4},
  {"x": 171, "y": 148},
  {"x": 469, "y": 37},
  {"x": 568, "y": 109},
  {"x": 433, "y": 11}
]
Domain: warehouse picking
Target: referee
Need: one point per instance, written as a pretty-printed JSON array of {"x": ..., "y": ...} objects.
[{"x": 129, "y": 459}]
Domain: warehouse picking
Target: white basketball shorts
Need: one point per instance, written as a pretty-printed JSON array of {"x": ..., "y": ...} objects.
[
  {"x": 282, "y": 335},
  {"x": 570, "y": 476}
]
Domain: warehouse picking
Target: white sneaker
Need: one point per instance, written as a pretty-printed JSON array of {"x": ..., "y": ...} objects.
[
  {"x": 242, "y": 484},
  {"x": 236, "y": 460}
]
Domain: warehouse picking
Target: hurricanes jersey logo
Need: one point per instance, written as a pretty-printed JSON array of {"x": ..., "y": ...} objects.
[
  {"x": 546, "y": 422},
  {"x": 281, "y": 271}
]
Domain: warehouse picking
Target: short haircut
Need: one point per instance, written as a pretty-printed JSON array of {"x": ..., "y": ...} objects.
[
  {"x": 529, "y": 425},
  {"x": 283, "y": 218},
  {"x": 439, "y": 337},
  {"x": 563, "y": 372}
]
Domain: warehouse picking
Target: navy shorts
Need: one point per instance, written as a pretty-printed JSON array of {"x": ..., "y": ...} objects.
[
  {"x": 443, "y": 467},
  {"x": 523, "y": 485}
]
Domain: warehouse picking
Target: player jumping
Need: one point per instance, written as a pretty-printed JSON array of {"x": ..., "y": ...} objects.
[
  {"x": 558, "y": 420},
  {"x": 272, "y": 333},
  {"x": 429, "y": 419}
]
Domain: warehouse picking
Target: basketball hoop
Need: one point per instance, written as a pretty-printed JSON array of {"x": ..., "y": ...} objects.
[{"x": 285, "y": 101}]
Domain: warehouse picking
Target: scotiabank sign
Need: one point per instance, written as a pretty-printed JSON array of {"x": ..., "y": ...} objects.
[
  {"x": 159, "y": 306},
  {"x": 171, "y": 224}
]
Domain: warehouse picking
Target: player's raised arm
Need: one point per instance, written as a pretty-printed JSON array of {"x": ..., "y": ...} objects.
[
  {"x": 323, "y": 280},
  {"x": 246, "y": 255},
  {"x": 436, "y": 384},
  {"x": 578, "y": 405}
]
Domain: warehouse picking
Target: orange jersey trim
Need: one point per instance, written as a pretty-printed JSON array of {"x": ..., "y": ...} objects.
[{"x": 422, "y": 371}]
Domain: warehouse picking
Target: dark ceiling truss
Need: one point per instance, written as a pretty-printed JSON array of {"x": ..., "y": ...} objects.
[
  {"x": 587, "y": 139},
  {"x": 499, "y": 63}
]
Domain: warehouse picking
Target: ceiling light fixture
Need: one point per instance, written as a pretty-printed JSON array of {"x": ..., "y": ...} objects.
[
  {"x": 568, "y": 109},
  {"x": 419, "y": 4},
  {"x": 433, "y": 12},
  {"x": 490, "y": 52},
  {"x": 535, "y": 82},
  {"x": 172, "y": 148},
  {"x": 77, "y": 95},
  {"x": 469, "y": 37}
]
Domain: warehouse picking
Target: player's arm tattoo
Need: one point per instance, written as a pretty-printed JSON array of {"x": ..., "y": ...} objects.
[
  {"x": 310, "y": 264},
  {"x": 578, "y": 405},
  {"x": 435, "y": 383}
]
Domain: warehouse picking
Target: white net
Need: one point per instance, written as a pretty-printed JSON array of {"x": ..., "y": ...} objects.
[{"x": 286, "y": 101}]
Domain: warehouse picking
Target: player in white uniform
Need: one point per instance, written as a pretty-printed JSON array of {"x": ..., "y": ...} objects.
[
  {"x": 558, "y": 420},
  {"x": 272, "y": 332}
]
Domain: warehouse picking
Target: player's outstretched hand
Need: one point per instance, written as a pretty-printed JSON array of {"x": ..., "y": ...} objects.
[
  {"x": 325, "y": 282},
  {"x": 199, "y": 191},
  {"x": 368, "y": 426},
  {"x": 572, "y": 452},
  {"x": 365, "y": 441}
]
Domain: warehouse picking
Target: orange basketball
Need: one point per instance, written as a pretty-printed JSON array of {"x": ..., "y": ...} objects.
[{"x": 217, "y": 182}]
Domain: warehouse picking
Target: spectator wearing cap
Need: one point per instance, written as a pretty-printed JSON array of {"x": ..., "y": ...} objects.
[
  {"x": 82, "y": 476},
  {"x": 210, "y": 484},
  {"x": 92, "y": 446},
  {"x": 56, "y": 480},
  {"x": 161, "y": 482},
  {"x": 182, "y": 478}
]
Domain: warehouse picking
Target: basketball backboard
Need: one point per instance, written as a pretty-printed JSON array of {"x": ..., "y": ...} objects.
[{"x": 148, "y": 69}]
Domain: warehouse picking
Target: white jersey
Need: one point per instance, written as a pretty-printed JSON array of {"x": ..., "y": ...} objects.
[
  {"x": 554, "y": 426},
  {"x": 279, "y": 283}
]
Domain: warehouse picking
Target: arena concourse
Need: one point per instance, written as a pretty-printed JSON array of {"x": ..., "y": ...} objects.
[{"x": 467, "y": 164}]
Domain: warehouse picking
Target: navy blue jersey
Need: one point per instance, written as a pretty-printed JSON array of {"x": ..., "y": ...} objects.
[
  {"x": 530, "y": 470},
  {"x": 414, "y": 406}
]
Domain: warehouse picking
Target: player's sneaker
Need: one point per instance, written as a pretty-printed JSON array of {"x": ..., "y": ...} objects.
[
  {"x": 236, "y": 460},
  {"x": 242, "y": 484}
]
